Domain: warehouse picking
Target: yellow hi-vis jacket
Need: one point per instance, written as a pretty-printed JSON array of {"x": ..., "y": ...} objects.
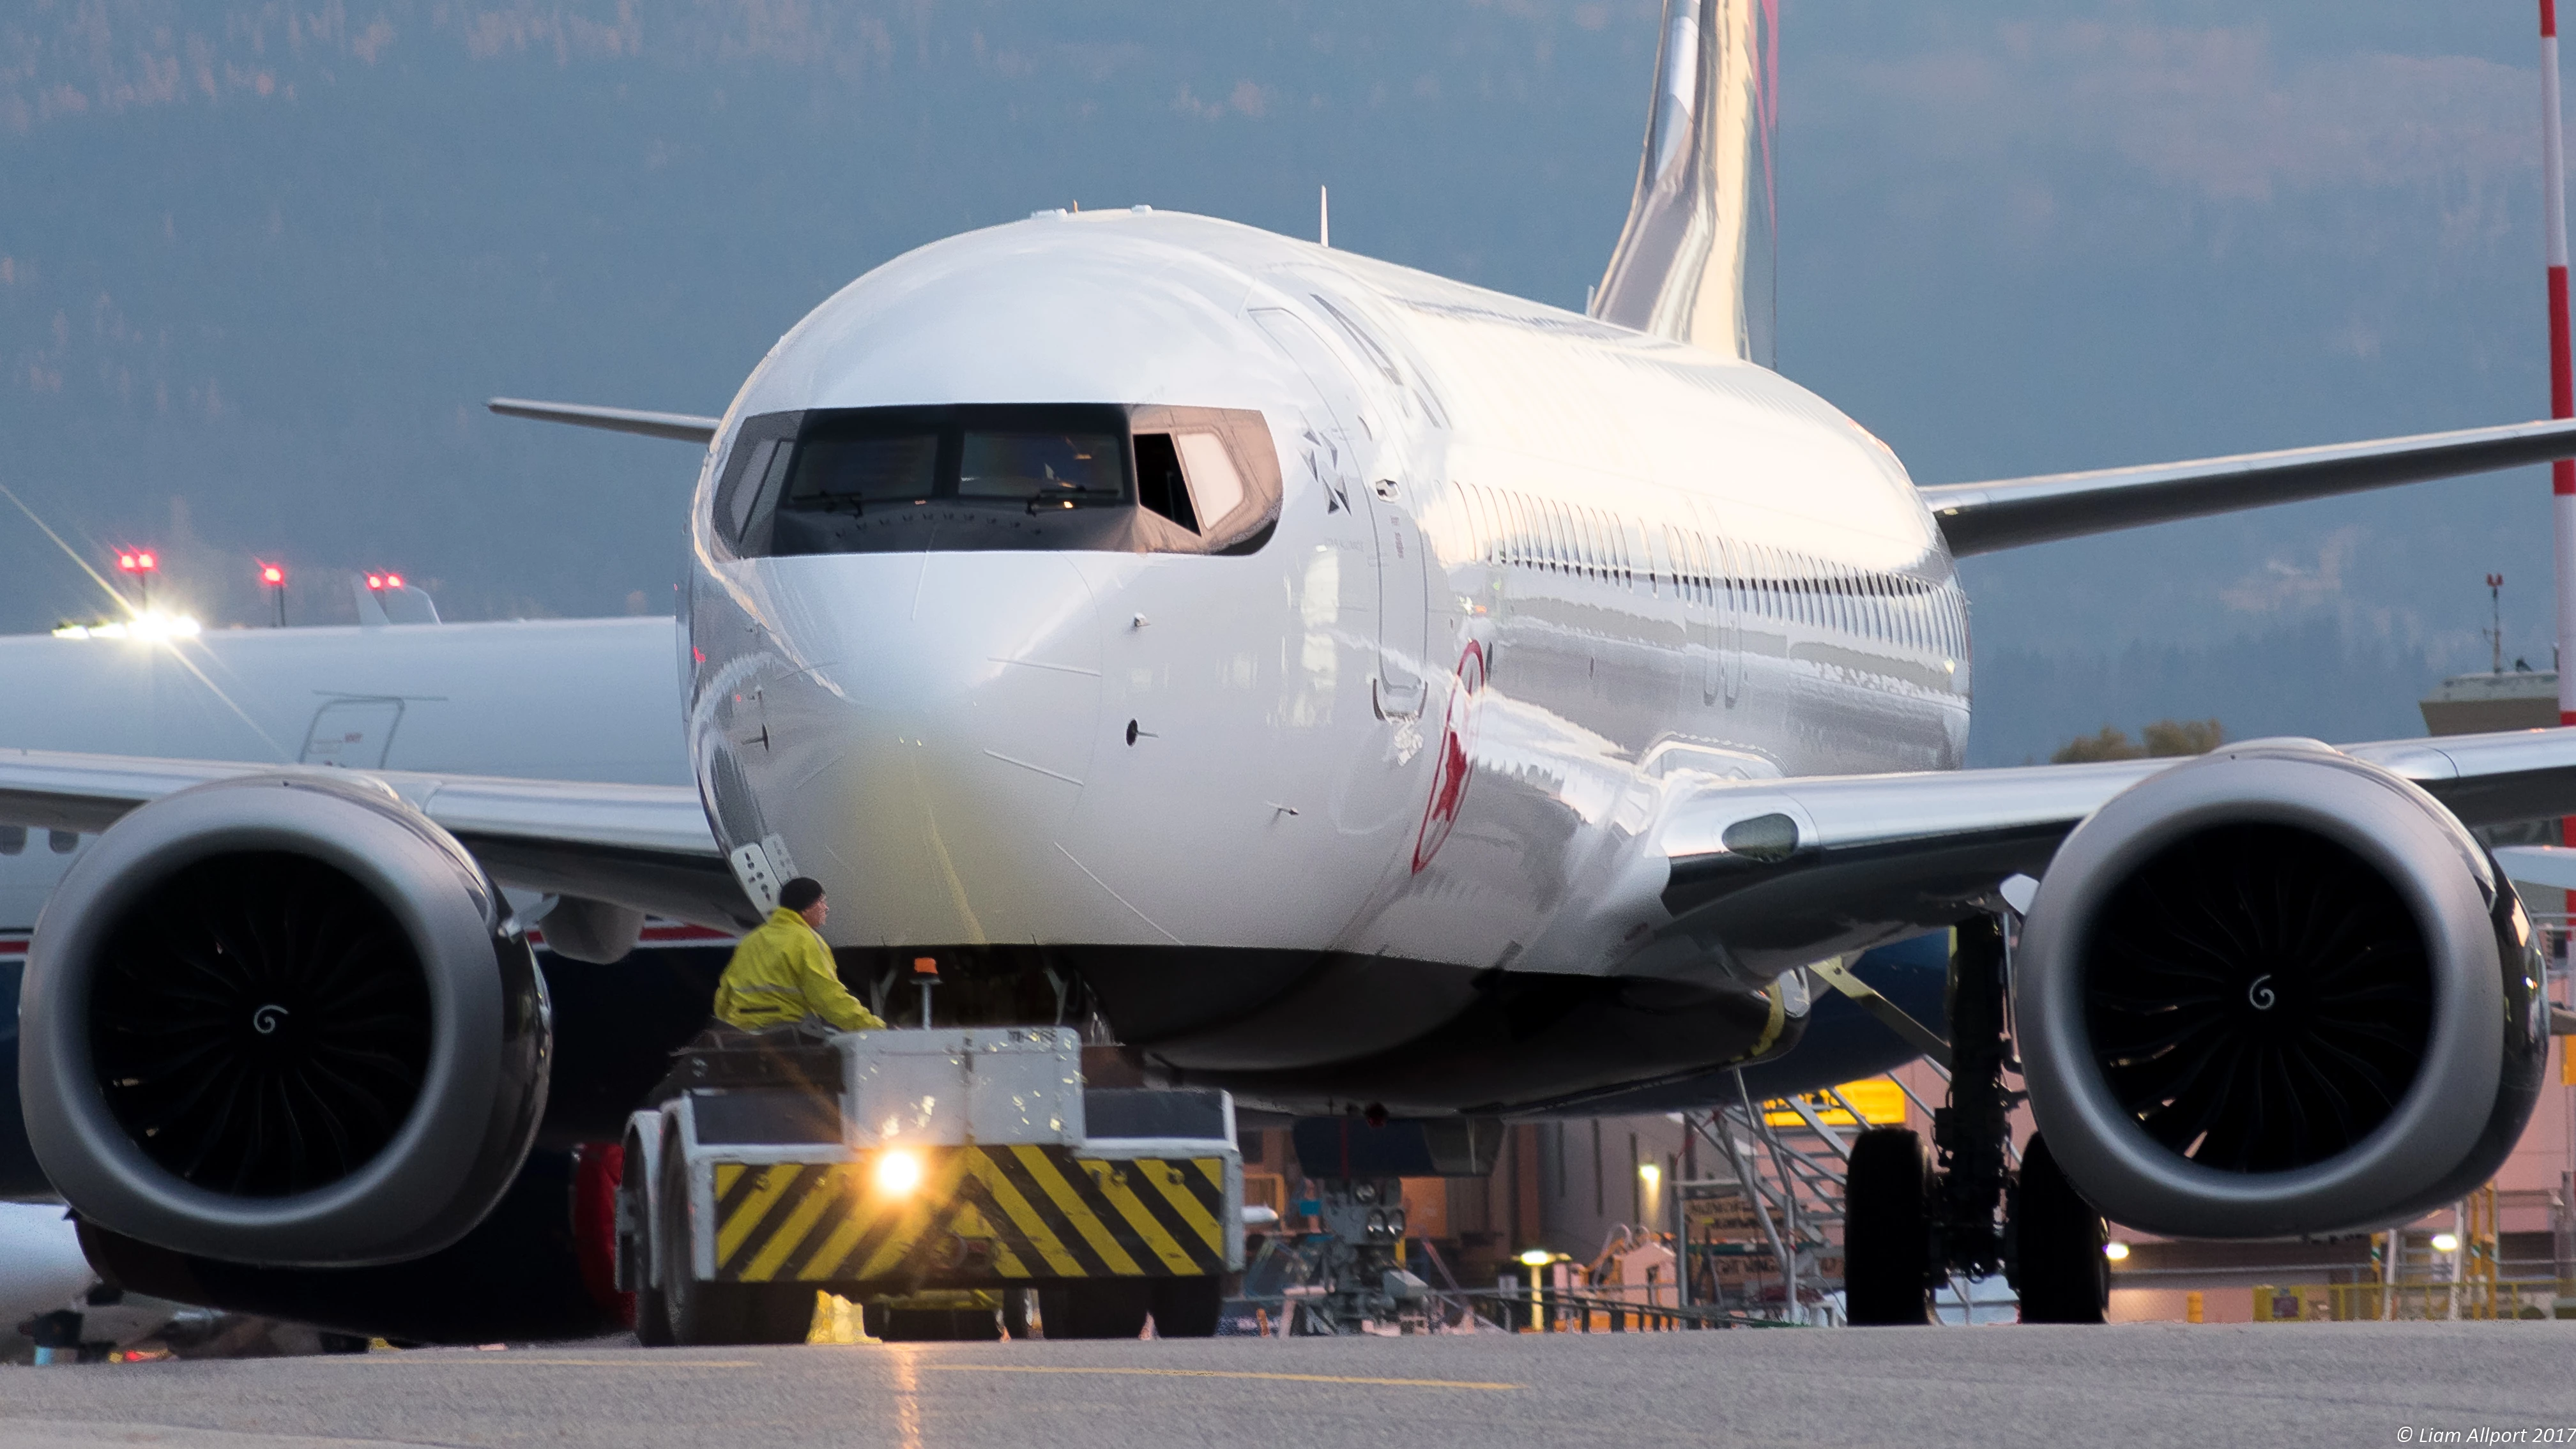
[{"x": 782, "y": 973}]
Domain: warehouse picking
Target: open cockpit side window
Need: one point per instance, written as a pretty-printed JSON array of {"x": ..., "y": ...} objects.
[{"x": 1096, "y": 477}]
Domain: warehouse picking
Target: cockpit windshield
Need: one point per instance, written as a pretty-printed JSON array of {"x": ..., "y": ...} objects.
[
  {"x": 971, "y": 477},
  {"x": 835, "y": 473},
  {"x": 1041, "y": 467}
]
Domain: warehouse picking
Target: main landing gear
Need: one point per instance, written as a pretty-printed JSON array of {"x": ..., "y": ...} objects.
[{"x": 1908, "y": 1225}]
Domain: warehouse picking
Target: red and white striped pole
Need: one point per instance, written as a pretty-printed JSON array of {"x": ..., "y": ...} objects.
[{"x": 2562, "y": 380}]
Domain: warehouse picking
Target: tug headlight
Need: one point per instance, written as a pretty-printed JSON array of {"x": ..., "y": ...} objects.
[{"x": 897, "y": 1173}]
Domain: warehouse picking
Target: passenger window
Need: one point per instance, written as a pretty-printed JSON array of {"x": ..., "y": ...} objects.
[{"x": 1043, "y": 468}]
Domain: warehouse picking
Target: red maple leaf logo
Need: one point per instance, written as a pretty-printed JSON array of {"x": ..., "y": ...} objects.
[{"x": 1452, "y": 766}]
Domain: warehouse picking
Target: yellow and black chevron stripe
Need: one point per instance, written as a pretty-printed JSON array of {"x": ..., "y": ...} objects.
[{"x": 979, "y": 1215}]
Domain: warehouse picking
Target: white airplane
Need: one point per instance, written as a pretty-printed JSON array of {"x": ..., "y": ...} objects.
[
  {"x": 594, "y": 700},
  {"x": 1361, "y": 690}
]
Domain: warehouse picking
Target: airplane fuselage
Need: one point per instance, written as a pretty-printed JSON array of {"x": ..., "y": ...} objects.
[{"x": 1527, "y": 571}]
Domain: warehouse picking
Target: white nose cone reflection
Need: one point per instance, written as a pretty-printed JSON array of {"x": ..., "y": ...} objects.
[{"x": 950, "y": 719}]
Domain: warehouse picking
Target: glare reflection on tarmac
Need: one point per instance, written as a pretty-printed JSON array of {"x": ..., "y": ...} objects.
[{"x": 2151, "y": 1384}]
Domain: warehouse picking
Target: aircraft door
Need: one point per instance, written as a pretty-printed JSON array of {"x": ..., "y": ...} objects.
[
  {"x": 1717, "y": 604},
  {"x": 351, "y": 733},
  {"x": 1404, "y": 603},
  {"x": 1395, "y": 544}
]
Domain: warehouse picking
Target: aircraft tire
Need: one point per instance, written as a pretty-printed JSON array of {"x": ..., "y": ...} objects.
[
  {"x": 2058, "y": 1266},
  {"x": 1887, "y": 1237}
]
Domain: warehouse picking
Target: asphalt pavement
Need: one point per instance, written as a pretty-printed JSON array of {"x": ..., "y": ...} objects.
[{"x": 2140, "y": 1384}]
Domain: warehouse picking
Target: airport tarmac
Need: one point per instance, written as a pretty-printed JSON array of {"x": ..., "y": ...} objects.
[{"x": 2142, "y": 1384}]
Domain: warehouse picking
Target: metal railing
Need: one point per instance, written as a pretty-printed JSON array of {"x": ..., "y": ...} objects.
[
  {"x": 2469, "y": 1298},
  {"x": 1557, "y": 1310}
]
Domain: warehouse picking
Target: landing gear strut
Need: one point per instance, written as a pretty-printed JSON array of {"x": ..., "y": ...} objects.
[{"x": 1907, "y": 1228}]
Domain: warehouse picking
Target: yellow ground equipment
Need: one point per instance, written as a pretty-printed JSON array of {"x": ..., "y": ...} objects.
[{"x": 915, "y": 1170}]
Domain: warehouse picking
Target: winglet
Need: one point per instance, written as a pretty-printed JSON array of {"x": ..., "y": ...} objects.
[{"x": 678, "y": 427}]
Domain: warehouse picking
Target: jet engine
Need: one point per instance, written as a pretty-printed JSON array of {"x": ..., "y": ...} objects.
[
  {"x": 2277, "y": 991},
  {"x": 282, "y": 1020}
]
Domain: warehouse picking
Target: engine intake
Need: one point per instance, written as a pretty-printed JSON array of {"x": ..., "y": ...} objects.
[
  {"x": 285, "y": 1021},
  {"x": 2277, "y": 991},
  {"x": 269, "y": 1029}
]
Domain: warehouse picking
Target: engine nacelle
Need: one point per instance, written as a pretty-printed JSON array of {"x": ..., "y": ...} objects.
[
  {"x": 282, "y": 1020},
  {"x": 2277, "y": 991}
]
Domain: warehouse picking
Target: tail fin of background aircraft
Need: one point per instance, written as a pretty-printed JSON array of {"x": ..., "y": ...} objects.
[{"x": 1695, "y": 262}]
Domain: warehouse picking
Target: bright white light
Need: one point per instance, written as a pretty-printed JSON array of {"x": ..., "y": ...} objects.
[
  {"x": 151, "y": 624},
  {"x": 1537, "y": 1258},
  {"x": 2116, "y": 1252},
  {"x": 2445, "y": 1243},
  {"x": 898, "y": 1173}
]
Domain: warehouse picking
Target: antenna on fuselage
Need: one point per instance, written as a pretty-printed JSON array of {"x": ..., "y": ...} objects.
[{"x": 1323, "y": 216}]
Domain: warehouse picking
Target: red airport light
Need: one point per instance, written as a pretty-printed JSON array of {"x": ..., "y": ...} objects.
[
  {"x": 140, "y": 563},
  {"x": 375, "y": 581},
  {"x": 272, "y": 577},
  {"x": 393, "y": 581}
]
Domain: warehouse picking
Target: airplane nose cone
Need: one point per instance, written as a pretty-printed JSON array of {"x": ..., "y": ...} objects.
[{"x": 922, "y": 763}]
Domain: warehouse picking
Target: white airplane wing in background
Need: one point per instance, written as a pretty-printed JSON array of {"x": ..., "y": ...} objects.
[
  {"x": 678, "y": 427},
  {"x": 646, "y": 847},
  {"x": 1787, "y": 872},
  {"x": 2012, "y": 512}
]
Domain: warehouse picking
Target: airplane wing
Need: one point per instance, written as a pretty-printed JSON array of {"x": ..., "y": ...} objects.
[
  {"x": 1781, "y": 872},
  {"x": 1787, "y": 872},
  {"x": 678, "y": 427},
  {"x": 1986, "y": 517},
  {"x": 642, "y": 846}
]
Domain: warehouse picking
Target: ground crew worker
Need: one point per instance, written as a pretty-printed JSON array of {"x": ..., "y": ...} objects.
[{"x": 782, "y": 973}]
